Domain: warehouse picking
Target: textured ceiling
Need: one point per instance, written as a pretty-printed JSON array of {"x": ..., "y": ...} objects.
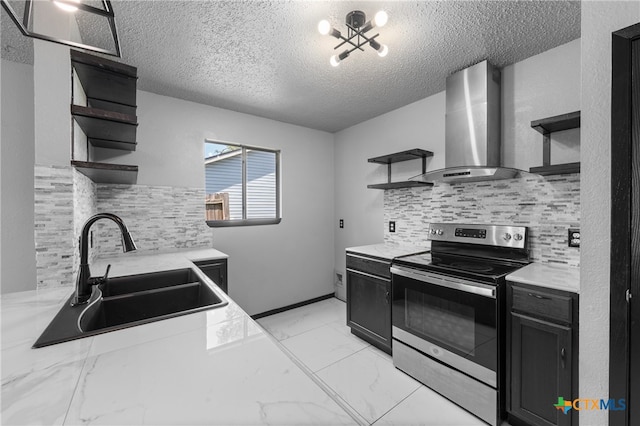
[{"x": 267, "y": 58}]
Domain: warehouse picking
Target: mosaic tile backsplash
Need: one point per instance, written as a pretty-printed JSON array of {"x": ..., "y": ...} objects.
[
  {"x": 54, "y": 226},
  {"x": 547, "y": 205},
  {"x": 158, "y": 217}
]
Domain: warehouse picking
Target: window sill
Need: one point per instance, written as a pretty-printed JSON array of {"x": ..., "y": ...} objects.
[{"x": 242, "y": 222}]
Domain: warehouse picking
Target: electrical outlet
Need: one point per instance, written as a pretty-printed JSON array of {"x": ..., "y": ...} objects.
[
  {"x": 574, "y": 237},
  {"x": 392, "y": 226},
  {"x": 341, "y": 223}
]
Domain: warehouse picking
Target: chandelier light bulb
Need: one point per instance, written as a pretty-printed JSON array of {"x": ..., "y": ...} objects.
[
  {"x": 334, "y": 61},
  {"x": 381, "y": 18},
  {"x": 382, "y": 52},
  {"x": 67, "y": 7},
  {"x": 324, "y": 27}
]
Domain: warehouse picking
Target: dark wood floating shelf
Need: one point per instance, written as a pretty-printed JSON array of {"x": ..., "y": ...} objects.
[
  {"x": 546, "y": 126},
  {"x": 107, "y": 173},
  {"x": 396, "y": 185},
  {"x": 107, "y": 126},
  {"x": 412, "y": 154},
  {"x": 556, "y": 169},
  {"x": 104, "y": 79},
  {"x": 557, "y": 123}
]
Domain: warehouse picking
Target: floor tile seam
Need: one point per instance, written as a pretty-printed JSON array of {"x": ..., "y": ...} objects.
[
  {"x": 294, "y": 335},
  {"x": 394, "y": 407},
  {"x": 328, "y": 390},
  {"x": 336, "y": 394},
  {"x": 343, "y": 358}
]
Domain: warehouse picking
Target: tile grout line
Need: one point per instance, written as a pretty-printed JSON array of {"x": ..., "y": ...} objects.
[
  {"x": 321, "y": 384},
  {"x": 392, "y": 408}
]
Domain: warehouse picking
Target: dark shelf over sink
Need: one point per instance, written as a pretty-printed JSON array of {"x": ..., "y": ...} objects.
[
  {"x": 411, "y": 154},
  {"x": 104, "y": 79},
  {"x": 106, "y": 172},
  {"x": 105, "y": 126}
]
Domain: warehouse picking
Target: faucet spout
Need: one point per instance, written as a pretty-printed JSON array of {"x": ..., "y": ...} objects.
[{"x": 84, "y": 281}]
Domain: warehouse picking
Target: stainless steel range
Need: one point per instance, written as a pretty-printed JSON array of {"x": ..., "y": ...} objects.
[{"x": 448, "y": 313}]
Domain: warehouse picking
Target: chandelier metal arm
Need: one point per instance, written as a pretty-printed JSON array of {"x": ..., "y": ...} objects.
[{"x": 359, "y": 44}]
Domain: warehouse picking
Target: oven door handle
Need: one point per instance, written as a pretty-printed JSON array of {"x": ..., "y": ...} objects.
[{"x": 453, "y": 283}]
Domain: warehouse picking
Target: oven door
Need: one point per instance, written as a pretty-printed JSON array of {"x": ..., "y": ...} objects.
[{"x": 450, "y": 319}]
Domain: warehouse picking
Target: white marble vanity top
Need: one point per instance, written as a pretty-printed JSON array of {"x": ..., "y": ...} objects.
[
  {"x": 216, "y": 367},
  {"x": 388, "y": 251},
  {"x": 559, "y": 277}
]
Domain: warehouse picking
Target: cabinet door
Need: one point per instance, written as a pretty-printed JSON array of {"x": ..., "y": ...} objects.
[
  {"x": 369, "y": 308},
  {"x": 216, "y": 270},
  {"x": 540, "y": 371}
]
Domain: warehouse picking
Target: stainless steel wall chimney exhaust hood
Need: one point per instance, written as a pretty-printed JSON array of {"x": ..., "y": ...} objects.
[{"x": 472, "y": 132}]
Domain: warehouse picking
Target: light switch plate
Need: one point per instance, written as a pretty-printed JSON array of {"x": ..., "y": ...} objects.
[
  {"x": 392, "y": 226},
  {"x": 341, "y": 223},
  {"x": 574, "y": 237}
]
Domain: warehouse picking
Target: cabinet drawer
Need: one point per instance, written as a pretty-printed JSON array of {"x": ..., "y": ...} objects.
[
  {"x": 542, "y": 304},
  {"x": 369, "y": 265}
]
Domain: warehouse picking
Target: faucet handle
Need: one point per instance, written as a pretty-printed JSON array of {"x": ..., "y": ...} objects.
[
  {"x": 106, "y": 273},
  {"x": 102, "y": 279}
]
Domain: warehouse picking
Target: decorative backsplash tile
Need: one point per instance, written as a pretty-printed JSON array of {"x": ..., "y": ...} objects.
[
  {"x": 547, "y": 205},
  {"x": 54, "y": 226},
  {"x": 158, "y": 217}
]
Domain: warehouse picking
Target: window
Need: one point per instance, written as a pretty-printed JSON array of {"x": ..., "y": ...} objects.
[{"x": 242, "y": 184}]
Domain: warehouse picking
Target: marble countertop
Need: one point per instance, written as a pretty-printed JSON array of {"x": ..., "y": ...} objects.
[
  {"x": 554, "y": 276},
  {"x": 211, "y": 367},
  {"x": 388, "y": 251}
]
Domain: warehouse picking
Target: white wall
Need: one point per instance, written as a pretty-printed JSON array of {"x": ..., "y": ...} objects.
[
  {"x": 273, "y": 265},
  {"x": 544, "y": 85},
  {"x": 17, "y": 267},
  {"x": 599, "y": 20},
  {"x": 418, "y": 125}
]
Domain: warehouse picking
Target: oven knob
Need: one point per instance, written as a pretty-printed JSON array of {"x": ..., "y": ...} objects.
[
  {"x": 439, "y": 231},
  {"x": 433, "y": 231},
  {"x": 517, "y": 237},
  {"x": 506, "y": 236}
]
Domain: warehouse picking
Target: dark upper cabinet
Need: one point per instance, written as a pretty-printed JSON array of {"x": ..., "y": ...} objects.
[
  {"x": 368, "y": 300},
  {"x": 216, "y": 270},
  {"x": 542, "y": 353}
]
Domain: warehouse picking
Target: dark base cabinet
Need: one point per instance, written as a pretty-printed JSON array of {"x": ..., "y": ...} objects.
[
  {"x": 216, "y": 270},
  {"x": 368, "y": 300},
  {"x": 542, "y": 362}
]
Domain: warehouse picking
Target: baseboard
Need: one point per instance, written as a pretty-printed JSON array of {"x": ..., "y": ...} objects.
[{"x": 295, "y": 305}]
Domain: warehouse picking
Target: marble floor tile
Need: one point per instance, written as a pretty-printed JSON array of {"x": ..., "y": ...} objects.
[
  {"x": 296, "y": 321},
  {"x": 323, "y": 346},
  {"x": 425, "y": 407},
  {"x": 368, "y": 383}
]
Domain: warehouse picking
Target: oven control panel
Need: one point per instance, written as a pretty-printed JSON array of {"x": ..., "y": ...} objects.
[{"x": 493, "y": 235}]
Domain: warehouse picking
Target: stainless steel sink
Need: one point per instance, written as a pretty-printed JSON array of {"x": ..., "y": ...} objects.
[{"x": 133, "y": 300}]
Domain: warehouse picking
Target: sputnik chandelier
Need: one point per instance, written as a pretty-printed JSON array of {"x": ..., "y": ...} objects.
[{"x": 357, "y": 26}]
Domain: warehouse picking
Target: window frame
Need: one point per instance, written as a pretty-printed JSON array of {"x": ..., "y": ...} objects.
[{"x": 244, "y": 221}]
